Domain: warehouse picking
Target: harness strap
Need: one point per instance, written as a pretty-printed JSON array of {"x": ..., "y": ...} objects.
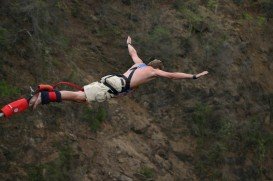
[
  {"x": 50, "y": 88},
  {"x": 125, "y": 88},
  {"x": 68, "y": 84},
  {"x": 111, "y": 90},
  {"x": 48, "y": 97},
  {"x": 128, "y": 80}
]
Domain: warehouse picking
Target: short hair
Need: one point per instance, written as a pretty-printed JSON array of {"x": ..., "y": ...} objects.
[{"x": 156, "y": 64}]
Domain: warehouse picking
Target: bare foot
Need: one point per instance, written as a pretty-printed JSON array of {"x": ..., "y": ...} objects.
[
  {"x": 32, "y": 100},
  {"x": 35, "y": 100}
]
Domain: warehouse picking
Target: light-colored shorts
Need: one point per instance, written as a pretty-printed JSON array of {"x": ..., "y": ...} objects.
[{"x": 97, "y": 91}]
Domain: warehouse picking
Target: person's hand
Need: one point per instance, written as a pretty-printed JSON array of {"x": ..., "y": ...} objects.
[
  {"x": 129, "y": 40},
  {"x": 202, "y": 74}
]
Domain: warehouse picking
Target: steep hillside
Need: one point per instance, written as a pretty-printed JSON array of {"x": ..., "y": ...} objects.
[{"x": 216, "y": 128}]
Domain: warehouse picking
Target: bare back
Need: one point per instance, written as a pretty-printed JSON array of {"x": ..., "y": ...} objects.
[{"x": 141, "y": 75}]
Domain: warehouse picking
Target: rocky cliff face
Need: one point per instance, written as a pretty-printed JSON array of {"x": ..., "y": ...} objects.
[{"x": 219, "y": 127}]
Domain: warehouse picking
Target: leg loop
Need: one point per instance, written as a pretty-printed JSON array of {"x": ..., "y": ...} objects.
[{"x": 53, "y": 96}]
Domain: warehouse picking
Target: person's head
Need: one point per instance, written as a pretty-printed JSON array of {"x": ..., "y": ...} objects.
[{"x": 156, "y": 64}]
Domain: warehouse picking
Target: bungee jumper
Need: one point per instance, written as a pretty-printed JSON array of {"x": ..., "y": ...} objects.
[{"x": 108, "y": 87}]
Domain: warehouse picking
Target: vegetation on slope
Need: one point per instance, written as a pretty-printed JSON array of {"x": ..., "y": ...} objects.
[{"x": 227, "y": 117}]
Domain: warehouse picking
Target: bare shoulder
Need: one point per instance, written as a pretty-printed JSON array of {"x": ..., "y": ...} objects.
[
  {"x": 161, "y": 73},
  {"x": 150, "y": 70},
  {"x": 157, "y": 72}
]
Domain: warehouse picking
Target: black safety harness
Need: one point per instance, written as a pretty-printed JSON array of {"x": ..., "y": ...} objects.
[{"x": 125, "y": 85}]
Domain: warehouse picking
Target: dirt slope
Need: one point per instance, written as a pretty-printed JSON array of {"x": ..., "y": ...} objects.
[{"x": 218, "y": 128}]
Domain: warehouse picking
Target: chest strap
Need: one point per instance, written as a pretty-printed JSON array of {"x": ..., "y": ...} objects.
[
  {"x": 111, "y": 90},
  {"x": 125, "y": 88},
  {"x": 128, "y": 80}
]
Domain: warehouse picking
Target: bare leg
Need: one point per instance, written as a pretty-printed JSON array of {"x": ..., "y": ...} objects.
[
  {"x": 66, "y": 96},
  {"x": 73, "y": 96}
]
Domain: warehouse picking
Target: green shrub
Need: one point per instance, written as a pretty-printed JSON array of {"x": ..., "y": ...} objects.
[
  {"x": 75, "y": 10},
  {"x": 158, "y": 44},
  {"x": 108, "y": 30},
  {"x": 212, "y": 4},
  {"x": 201, "y": 121},
  {"x": 147, "y": 173},
  {"x": 190, "y": 11},
  {"x": 94, "y": 117},
  {"x": 267, "y": 7},
  {"x": 257, "y": 20},
  {"x": 239, "y": 2},
  {"x": 209, "y": 159},
  {"x": 226, "y": 131},
  {"x": 193, "y": 17},
  {"x": 62, "y": 5},
  {"x": 263, "y": 6},
  {"x": 247, "y": 16},
  {"x": 160, "y": 34},
  {"x": 35, "y": 172},
  {"x": 3, "y": 38},
  {"x": 7, "y": 90},
  {"x": 213, "y": 134},
  {"x": 270, "y": 104},
  {"x": 214, "y": 45},
  {"x": 261, "y": 20},
  {"x": 59, "y": 169},
  {"x": 63, "y": 41},
  {"x": 255, "y": 138}
]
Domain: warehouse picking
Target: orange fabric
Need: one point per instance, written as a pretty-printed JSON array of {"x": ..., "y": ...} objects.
[
  {"x": 52, "y": 96},
  {"x": 45, "y": 87}
]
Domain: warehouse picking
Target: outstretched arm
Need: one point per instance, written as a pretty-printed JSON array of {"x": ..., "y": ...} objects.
[
  {"x": 178, "y": 75},
  {"x": 132, "y": 51}
]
